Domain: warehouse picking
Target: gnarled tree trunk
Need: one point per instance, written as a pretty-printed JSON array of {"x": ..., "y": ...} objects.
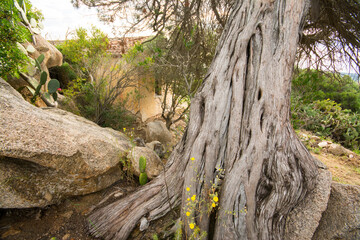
[{"x": 239, "y": 121}]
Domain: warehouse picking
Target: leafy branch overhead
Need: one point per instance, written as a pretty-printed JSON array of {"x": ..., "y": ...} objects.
[
  {"x": 331, "y": 29},
  {"x": 21, "y": 21}
]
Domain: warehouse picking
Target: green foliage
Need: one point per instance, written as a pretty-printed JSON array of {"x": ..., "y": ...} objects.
[
  {"x": 311, "y": 85},
  {"x": 142, "y": 167},
  {"x": 143, "y": 178},
  {"x": 100, "y": 80},
  {"x": 52, "y": 86},
  {"x": 85, "y": 50},
  {"x": 326, "y": 118},
  {"x": 92, "y": 105},
  {"x": 179, "y": 70},
  {"x": 12, "y": 59},
  {"x": 328, "y": 105},
  {"x": 142, "y": 164},
  {"x": 64, "y": 73}
]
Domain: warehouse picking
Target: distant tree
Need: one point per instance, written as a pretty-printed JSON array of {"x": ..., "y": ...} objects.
[
  {"x": 179, "y": 72},
  {"x": 85, "y": 50},
  {"x": 102, "y": 79},
  {"x": 311, "y": 85}
]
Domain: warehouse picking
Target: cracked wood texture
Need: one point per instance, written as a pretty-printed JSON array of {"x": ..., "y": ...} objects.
[{"x": 239, "y": 121}]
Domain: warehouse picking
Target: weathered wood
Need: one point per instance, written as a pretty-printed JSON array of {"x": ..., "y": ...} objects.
[{"x": 239, "y": 121}]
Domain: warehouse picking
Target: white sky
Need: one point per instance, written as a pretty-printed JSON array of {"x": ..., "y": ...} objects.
[{"x": 60, "y": 17}]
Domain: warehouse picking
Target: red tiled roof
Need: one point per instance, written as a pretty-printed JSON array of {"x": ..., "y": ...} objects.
[{"x": 118, "y": 46}]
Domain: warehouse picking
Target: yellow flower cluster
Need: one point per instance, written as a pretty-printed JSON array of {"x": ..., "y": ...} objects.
[{"x": 193, "y": 197}]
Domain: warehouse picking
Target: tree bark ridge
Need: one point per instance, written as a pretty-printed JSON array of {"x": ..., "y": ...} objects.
[{"x": 239, "y": 121}]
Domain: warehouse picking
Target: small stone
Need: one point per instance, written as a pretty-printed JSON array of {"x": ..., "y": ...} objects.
[
  {"x": 66, "y": 236},
  {"x": 337, "y": 149},
  {"x": 323, "y": 144},
  {"x": 304, "y": 137},
  {"x": 315, "y": 139},
  {"x": 144, "y": 224},
  {"x": 351, "y": 155},
  {"x": 153, "y": 162},
  {"x": 67, "y": 214},
  {"x": 48, "y": 197}
]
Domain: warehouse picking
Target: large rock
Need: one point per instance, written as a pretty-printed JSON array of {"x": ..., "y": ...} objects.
[
  {"x": 304, "y": 218},
  {"x": 153, "y": 162},
  {"x": 49, "y": 154},
  {"x": 53, "y": 56},
  {"x": 157, "y": 131},
  {"x": 337, "y": 150},
  {"x": 341, "y": 220}
]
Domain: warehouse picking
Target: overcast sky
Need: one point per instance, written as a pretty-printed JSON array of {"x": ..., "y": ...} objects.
[{"x": 60, "y": 17}]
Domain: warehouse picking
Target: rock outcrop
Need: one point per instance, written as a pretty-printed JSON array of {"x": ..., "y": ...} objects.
[
  {"x": 49, "y": 154},
  {"x": 157, "y": 131},
  {"x": 341, "y": 220}
]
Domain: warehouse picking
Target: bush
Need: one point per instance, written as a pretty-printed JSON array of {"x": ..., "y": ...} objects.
[
  {"x": 326, "y": 118},
  {"x": 64, "y": 73},
  {"x": 311, "y": 85},
  {"x": 89, "y": 100},
  {"x": 12, "y": 60}
]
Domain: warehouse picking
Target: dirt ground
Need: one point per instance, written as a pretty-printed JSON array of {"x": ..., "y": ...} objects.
[
  {"x": 343, "y": 169},
  {"x": 67, "y": 220}
]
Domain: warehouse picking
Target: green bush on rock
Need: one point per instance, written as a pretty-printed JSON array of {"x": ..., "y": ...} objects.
[{"x": 326, "y": 118}]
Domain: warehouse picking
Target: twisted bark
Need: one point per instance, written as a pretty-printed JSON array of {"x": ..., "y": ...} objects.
[{"x": 239, "y": 121}]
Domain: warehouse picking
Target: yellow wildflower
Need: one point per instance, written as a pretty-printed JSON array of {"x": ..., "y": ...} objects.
[
  {"x": 191, "y": 225},
  {"x": 193, "y": 197},
  {"x": 188, "y": 199},
  {"x": 216, "y": 199},
  {"x": 187, "y": 213},
  {"x": 213, "y": 205},
  {"x": 192, "y": 159},
  {"x": 187, "y": 189}
]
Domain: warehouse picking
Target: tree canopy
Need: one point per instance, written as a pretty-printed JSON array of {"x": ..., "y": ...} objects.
[{"x": 330, "y": 34}]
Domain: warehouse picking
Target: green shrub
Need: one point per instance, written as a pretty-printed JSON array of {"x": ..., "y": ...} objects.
[
  {"x": 64, "y": 73},
  {"x": 90, "y": 102},
  {"x": 326, "y": 118},
  {"x": 312, "y": 85},
  {"x": 12, "y": 59}
]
